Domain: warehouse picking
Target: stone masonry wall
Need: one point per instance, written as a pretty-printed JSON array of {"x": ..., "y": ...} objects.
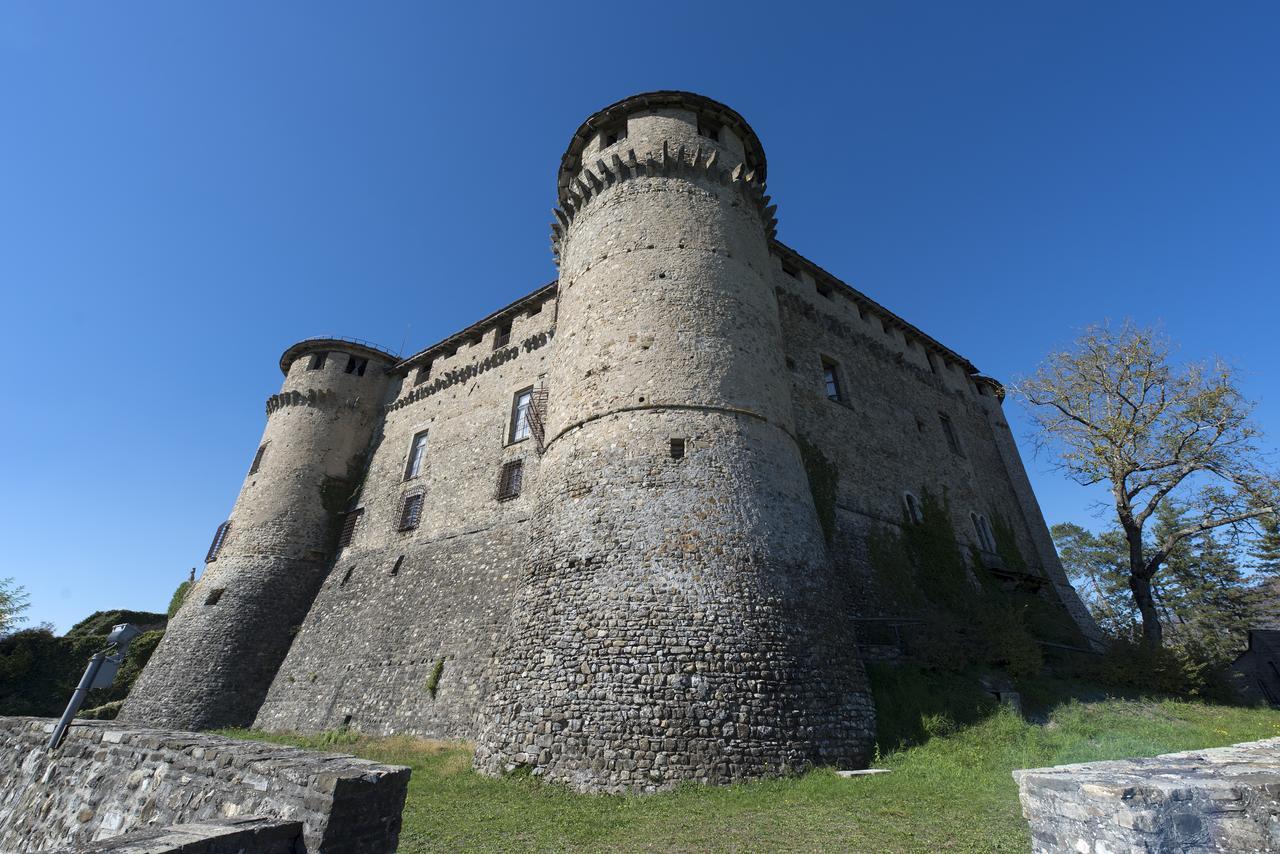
[
  {"x": 397, "y": 604},
  {"x": 107, "y": 780},
  {"x": 1225, "y": 799}
]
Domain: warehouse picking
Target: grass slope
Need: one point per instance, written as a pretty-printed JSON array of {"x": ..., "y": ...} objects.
[{"x": 953, "y": 792}]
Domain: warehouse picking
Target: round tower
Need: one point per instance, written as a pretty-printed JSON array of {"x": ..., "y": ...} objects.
[
  {"x": 267, "y": 561},
  {"x": 680, "y": 619}
]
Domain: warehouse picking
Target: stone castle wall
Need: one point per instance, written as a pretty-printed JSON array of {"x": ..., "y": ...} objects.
[{"x": 107, "y": 780}]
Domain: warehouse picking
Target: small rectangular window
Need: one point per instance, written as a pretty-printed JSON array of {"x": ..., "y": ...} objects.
[
  {"x": 825, "y": 290},
  {"x": 317, "y": 361},
  {"x": 219, "y": 537},
  {"x": 949, "y": 430},
  {"x": 503, "y": 336},
  {"x": 423, "y": 374},
  {"x": 613, "y": 134},
  {"x": 346, "y": 576},
  {"x": 411, "y": 512},
  {"x": 831, "y": 380},
  {"x": 356, "y": 365},
  {"x": 214, "y": 596},
  {"x": 520, "y": 405},
  {"x": 395, "y": 569},
  {"x": 535, "y": 309},
  {"x": 349, "y": 523},
  {"x": 914, "y": 511},
  {"x": 708, "y": 128},
  {"x": 791, "y": 270},
  {"x": 510, "y": 479},
  {"x": 257, "y": 458},
  {"x": 677, "y": 449},
  {"x": 417, "y": 455}
]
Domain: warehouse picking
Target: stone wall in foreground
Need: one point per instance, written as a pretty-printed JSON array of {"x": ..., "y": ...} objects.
[
  {"x": 1225, "y": 799},
  {"x": 107, "y": 780}
]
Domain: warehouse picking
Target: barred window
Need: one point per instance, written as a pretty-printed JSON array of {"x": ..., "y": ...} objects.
[
  {"x": 510, "y": 479},
  {"x": 356, "y": 366},
  {"x": 349, "y": 523},
  {"x": 417, "y": 454},
  {"x": 411, "y": 512},
  {"x": 520, "y": 415},
  {"x": 317, "y": 361},
  {"x": 502, "y": 337},
  {"x": 219, "y": 537},
  {"x": 257, "y": 458}
]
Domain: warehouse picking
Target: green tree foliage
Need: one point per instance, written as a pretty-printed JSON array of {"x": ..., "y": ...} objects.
[
  {"x": 13, "y": 602},
  {"x": 1119, "y": 413}
]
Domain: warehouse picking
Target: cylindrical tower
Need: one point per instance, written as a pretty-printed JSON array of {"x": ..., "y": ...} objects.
[
  {"x": 223, "y": 647},
  {"x": 680, "y": 619}
]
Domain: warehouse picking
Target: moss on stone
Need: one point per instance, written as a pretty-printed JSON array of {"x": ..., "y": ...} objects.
[
  {"x": 433, "y": 681},
  {"x": 824, "y": 479}
]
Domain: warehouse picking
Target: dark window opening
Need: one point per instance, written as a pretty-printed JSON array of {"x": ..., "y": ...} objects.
[
  {"x": 520, "y": 406},
  {"x": 825, "y": 290},
  {"x": 346, "y": 577},
  {"x": 395, "y": 570},
  {"x": 534, "y": 310},
  {"x": 257, "y": 458},
  {"x": 219, "y": 537},
  {"x": 919, "y": 425},
  {"x": 417, "y": 456},
  {"x": 986, "y": 539},
  {"x": 423, "y": 374},
  {"x": 790, "y": 270},
  {"x": 708, "y": 128},
  {"x": 346, "y": 721},
  {"x": 356, "y": 365},
  {"x": 888, "y": 330},
  {"x": 317, "y": 361},
  {"x": 914, "y": 511},
  {"x": 949, "y": 430},
  {"x": 831, "y": 380},
  {"x": 933, "y": 365},
  {"x": 348, "y": 531},
  {"x": 503, "y": 336},
  {"x": 613, "y": 134},
  {"x": 411, "y": 512},
  {"x": 214, "y": 595},
  {"x": 677, "y": 449},
  {"x": 510, "y": 479}
]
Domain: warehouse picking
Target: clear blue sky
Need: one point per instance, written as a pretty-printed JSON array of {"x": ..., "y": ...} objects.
[{"x": 186, "y": 189}]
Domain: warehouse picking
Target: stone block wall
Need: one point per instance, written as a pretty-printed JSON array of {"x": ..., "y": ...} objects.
[
  {"x": 1224, "y": 799},
  {"x": 107, "y": 780}
]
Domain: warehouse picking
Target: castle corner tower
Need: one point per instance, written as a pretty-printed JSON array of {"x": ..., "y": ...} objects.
[
  {"x": 680, "y": 618},
  {"x": 222, "y": 649}
]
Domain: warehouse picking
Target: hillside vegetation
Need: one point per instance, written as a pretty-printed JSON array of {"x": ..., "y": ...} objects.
[{"x": 952, "y": 792}]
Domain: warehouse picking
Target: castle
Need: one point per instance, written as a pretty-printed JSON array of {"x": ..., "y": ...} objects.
[{"x": 585, "y": 530}]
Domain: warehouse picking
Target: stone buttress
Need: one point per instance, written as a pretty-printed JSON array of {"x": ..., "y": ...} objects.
[
  {"x": 222, "y": 649},
  {"x": 680, "y": 619}
]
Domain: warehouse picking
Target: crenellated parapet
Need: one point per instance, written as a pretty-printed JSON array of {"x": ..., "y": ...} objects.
[
  {"x": 315, "y": 397},
  {"x": 701, "y": 162}
]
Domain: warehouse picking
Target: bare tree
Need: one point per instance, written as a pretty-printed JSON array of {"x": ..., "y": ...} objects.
[{"x": 1116, "y": 412}]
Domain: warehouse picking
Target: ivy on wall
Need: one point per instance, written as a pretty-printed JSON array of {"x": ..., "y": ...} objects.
[{"x": 824, "y": 478}]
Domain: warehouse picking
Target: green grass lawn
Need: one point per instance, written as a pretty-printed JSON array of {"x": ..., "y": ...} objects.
[{"x": 953, "y": 792}]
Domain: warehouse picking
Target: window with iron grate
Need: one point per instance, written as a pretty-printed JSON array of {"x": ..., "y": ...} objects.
[
  {"x": 219, "y": 537},
  {"x": 510, "y": 479},
  {"x": 257, "y": 458},
  {"x": 349, "y": 523},
  {"x": 411, "y": 511}
]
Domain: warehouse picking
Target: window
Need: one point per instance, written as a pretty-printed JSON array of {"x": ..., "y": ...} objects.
[
  {"x": 537, "y": 309},
  {"x": 915, "y": 513},
  {"x": 317, "y": 361},
  {"x": 219, "y": 537},
  {"x": 677, "y": 449},
  {"x": 919, "y": 425},
  {"x": 395, "y": 570},
  {"x": 708, "y": 128},
  {"x": 214, "y": 595},
  {"x": 825, "y": 290},
  {"x": 510, "y": 479},
  {"x": 348, "y": 531},
  {"x": 520, "y": 406},
  {"x": 411, "y": 511},
  {"x": 949, "y": 430},
  {"x": 613, "y": 134},
  {"x": 423, "y": 374},
  {"x": 831, "y": 380},
  {"x": 257, "y": 458},
  {"x": 346, "y": 577},
  {"x": 503, "y": 336},
  {"x": 790, "y": 270},
  {"x": 986, "y": 539},
  {"x": 356, "y": 366},
  {"x": 417, "y": 454}
]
